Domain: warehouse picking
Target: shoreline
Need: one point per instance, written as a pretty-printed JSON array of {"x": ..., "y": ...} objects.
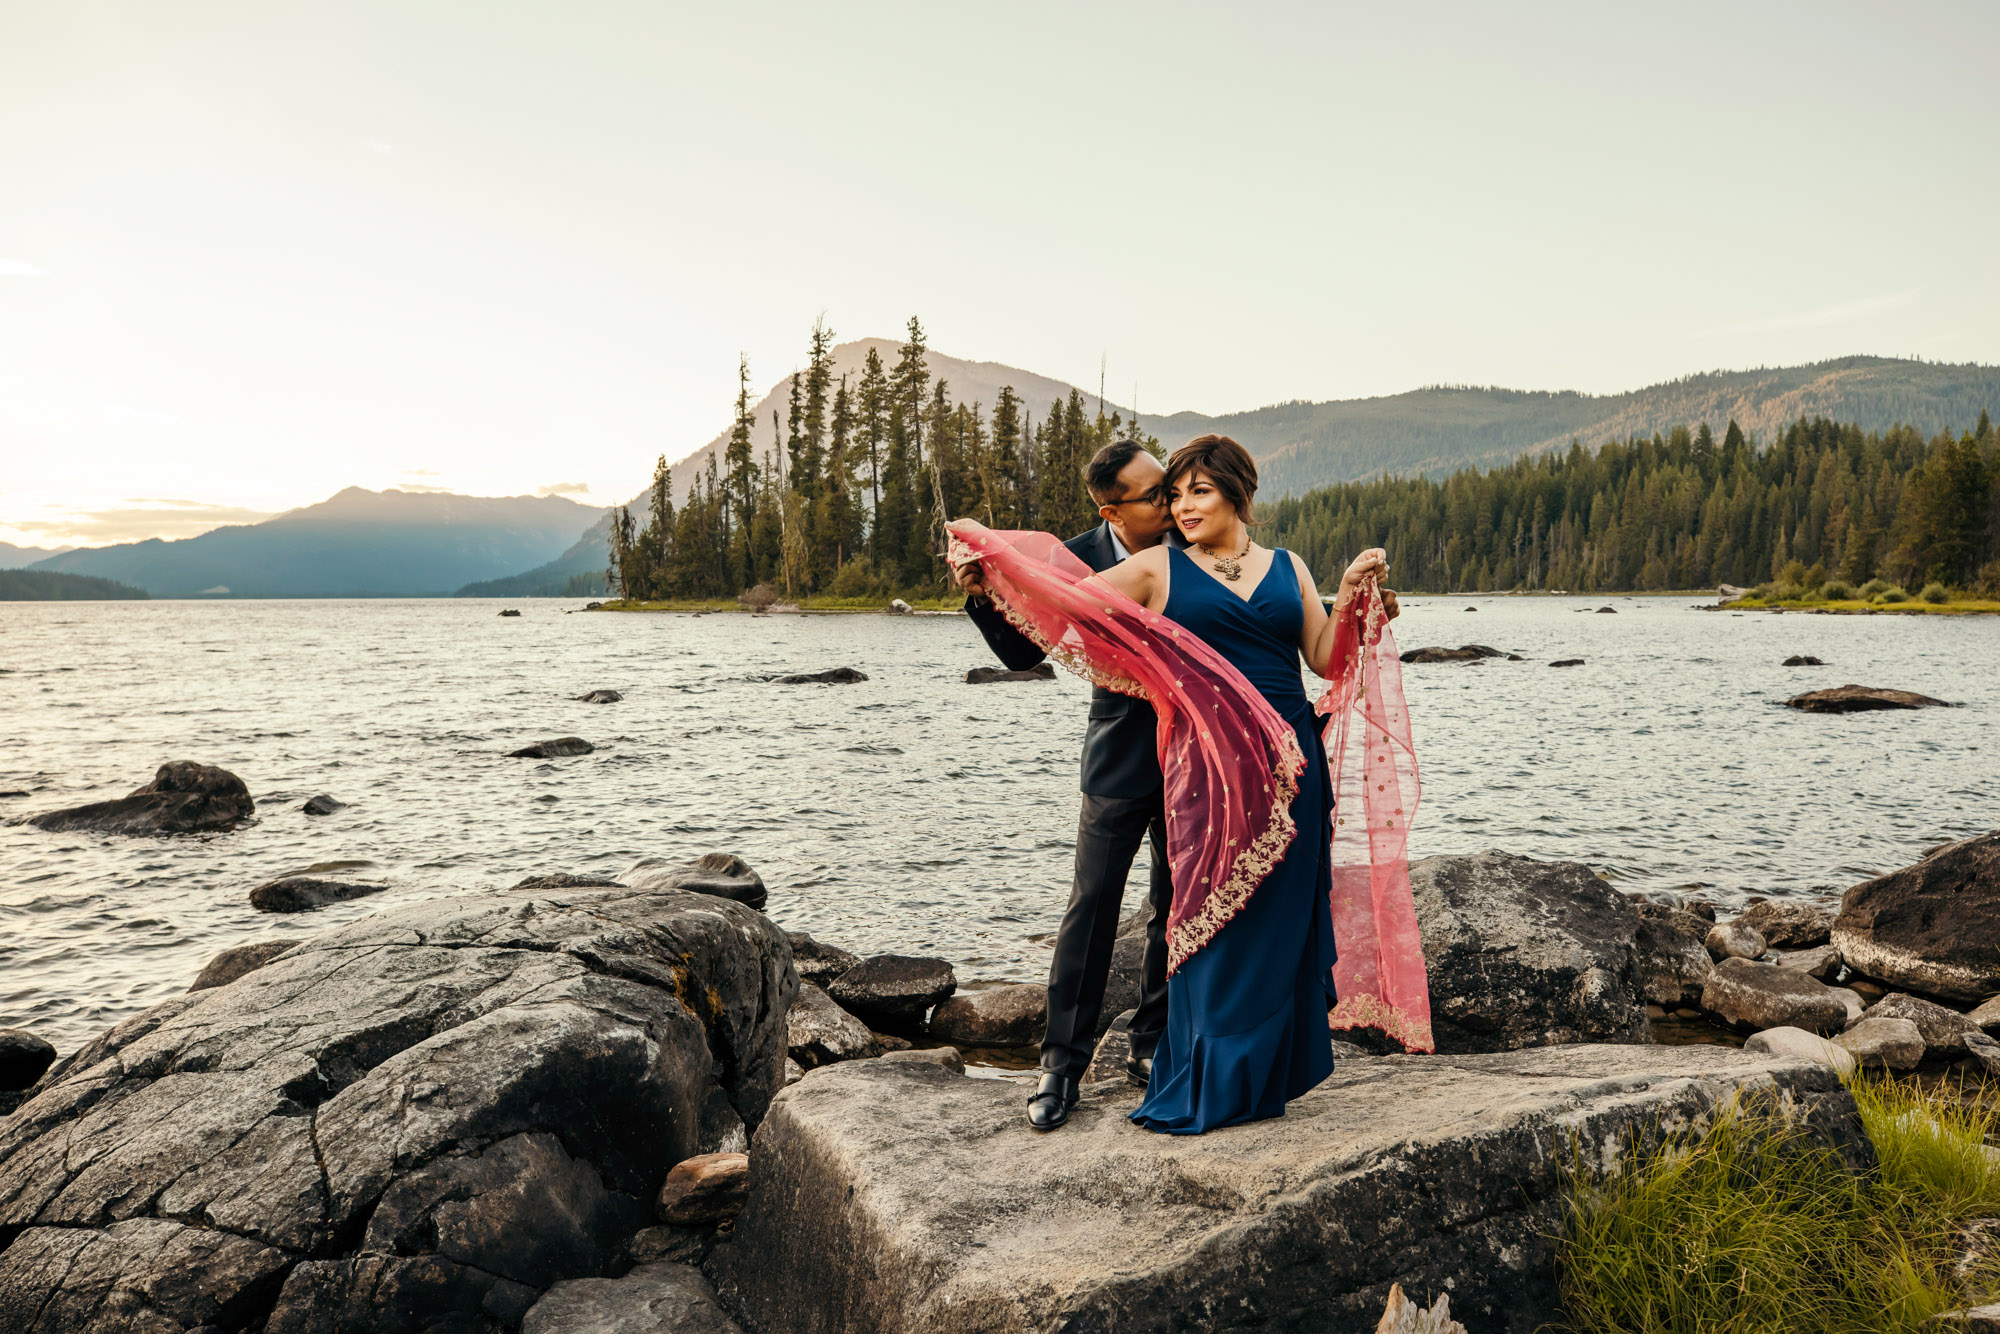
[{"x": 1856, "y": 607}]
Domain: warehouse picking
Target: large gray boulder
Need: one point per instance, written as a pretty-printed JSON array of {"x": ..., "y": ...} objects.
[
  {"x": 1523, "y": 953},
  {"x": 818, "y": 1032},
  {"x": 420, "y": 1120},
  {"x": 183, "y": 798},
  {"x": 906, "y": 1198},
  {"x": 1933, "y": 927},
  {"x": 894, "y": 990},
  {"x": 1755, "y": 996},
  {"x": 1671, "y": 960}
]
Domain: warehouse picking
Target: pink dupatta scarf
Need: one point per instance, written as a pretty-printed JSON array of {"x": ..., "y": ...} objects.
[{"x": 1231, "y": 766}]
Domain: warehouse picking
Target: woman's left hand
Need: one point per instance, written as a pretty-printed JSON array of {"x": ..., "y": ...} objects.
[{"x": 1389, "y": 605}]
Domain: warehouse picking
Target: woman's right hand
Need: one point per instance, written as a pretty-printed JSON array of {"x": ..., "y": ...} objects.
[
  {"x": 970, "y": 578},
  {"x": 1373, "y": 561}
]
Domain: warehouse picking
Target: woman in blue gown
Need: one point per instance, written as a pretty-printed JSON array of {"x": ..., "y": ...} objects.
[{"x": 1246, "y": 1013}]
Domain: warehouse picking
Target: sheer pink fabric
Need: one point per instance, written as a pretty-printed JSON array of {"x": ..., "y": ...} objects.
[
  {"x": 1231, "y": 764},
  {"x": 1379, "y": 979}
]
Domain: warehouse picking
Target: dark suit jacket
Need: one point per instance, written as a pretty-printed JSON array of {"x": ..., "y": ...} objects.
[{"x": 1120, "y": 758}]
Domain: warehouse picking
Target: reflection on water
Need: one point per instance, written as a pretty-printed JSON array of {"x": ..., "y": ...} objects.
[{"x": 911, "y": 812}]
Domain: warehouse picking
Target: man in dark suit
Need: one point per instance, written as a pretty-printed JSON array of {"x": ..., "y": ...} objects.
[{"x": 1122, "y": 803}]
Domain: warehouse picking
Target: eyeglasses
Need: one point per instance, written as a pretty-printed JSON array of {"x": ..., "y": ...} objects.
[{"x": 1154, "y": 498}]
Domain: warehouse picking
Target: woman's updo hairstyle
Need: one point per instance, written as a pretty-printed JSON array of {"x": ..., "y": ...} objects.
[{"x": 1227, "y": 464}]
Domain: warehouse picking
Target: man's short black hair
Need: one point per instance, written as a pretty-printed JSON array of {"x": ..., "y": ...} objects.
[{"x": 1100, "y": 475}]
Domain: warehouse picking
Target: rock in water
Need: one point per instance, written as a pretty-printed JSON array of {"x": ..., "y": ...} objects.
[
  {"x": 1734, "y": 940},
  {"x": 833, "y": 676},
  {"x": 894, "y": 990},
  {"x": 1755, "y": 996},
  {"x": 1524, "y": 953},
  {"x": 510, "y": 612},
  {"x": 322, "y": 805},
  {"x": 564, "y": 880},
  {"x": 898, "y": 607},
  {"x": 553, "y": 749},
  {"x": 902, "y": 1197},
  {"x": 657, "y": 1298},
  {"x": 1860, "y": 699},
  {"x": 818, "y": 962},
  {"x": 1567, "y": 662},
  {"x": 23, "y": 1059},
  {"x": 183, "y": 798},
  {"x": 1468, "y": 653},
  {"x": 1884, "y": 1044},
  {"x": 1802, "y": 660},
  {"x": 420, "y": 1120},
  {"x": 239, "y": 960},
  {"x": 1801, "y": 1045},
  {"x": 722, "y": 874},
  {"x": 818, "y": 1032},
  {"x": 704, "y": 1190},
  {"x": 1944, "y": 1031},
  {"x": 300, "y": 893},
  {"x": 1607, "y": 611},
  {"x": 980, "y": 676},
  {"x": 1672, "y": 961},
  {"x": 1933, "y": 927},
  {"x": 1789, "y": 923},
  {"x": 600, "y": 697},
  {"x": 1009, "y": 1016}
]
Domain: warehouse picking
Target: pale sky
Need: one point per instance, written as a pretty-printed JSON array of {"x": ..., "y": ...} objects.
[{"x": 251, "y": 253}]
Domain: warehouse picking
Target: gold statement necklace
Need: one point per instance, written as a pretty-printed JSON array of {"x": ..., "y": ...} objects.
[{"x": 1229, "y": 567}]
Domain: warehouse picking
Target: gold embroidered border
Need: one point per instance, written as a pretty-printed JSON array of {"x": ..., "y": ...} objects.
[
  {"x": 1251, "y": 865},
  {"x": 1074, "y": 663},
  {"x": 1367, "y": 1011}
]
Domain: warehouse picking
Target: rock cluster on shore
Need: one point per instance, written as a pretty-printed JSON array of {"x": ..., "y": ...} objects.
[{"x": 583, "y": 1105}]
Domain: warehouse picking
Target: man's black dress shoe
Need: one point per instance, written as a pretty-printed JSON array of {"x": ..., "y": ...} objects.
[
  {"x": 1139, "y": 1070},
  {"x": 1051, "y": 1103}
]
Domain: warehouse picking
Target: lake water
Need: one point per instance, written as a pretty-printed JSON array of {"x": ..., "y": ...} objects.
[{"x": 911, "y": 813}]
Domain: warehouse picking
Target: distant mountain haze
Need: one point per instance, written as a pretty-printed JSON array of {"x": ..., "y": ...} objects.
[
  {"x": 358, "y": 543},
  {"x": 14, "y": 558}
]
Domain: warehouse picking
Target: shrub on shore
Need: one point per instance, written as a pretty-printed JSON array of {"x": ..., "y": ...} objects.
[
  {"x": 1875, "y": 587},
  {"x": 1749, "y": 1224},
  {"x": 1834, "y": 590},
  {"x": 1893, "y": 593},
  {"x": 1935, "y": 593}
]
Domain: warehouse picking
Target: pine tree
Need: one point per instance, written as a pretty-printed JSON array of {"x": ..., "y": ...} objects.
[
  {"x": 872, "y": 434},
  {"x": 741, "y": 481}
]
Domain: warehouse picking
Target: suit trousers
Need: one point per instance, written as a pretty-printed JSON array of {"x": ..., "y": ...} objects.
[{"x": 1108, "y": 834}]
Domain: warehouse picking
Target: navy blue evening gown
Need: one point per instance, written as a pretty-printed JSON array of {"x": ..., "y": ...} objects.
[{"x": 1246, "y": 1015}]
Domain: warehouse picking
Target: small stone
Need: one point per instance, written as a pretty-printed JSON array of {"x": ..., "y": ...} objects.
[
  {"x": 833, "y": 676},
  {"x": 238, "y": 960},
  {"x": 1008, "y": 1016},
  {"x": 1607, "y": 611},
  {"x": 889, "y": 1042},
  {"x": 23, "y": 1059},
  {"x": 1757, "y": 996},
  {"x": 1944, "y": 1030},
  {"x": 1969, "y": 1320},
  {"x": 1567, "y": 662},
  {"x": 1987, "y": 1014},
  {"x": 1733, "y": 940},
  {"x": 704, "y": 1190},
  {"x": 1884, "y": 1044},
  {"x": 510, "y": 612},
  {"x": 718, "y": 873},
  {"x": 1984, "y": 1050},
  {"x": 894, "y": 989},
  {"x": 819, "y": 1032},
  {"x": 1821, "y": 961},
  {"x": 1867, "y": 988},
  {"x": 322, "y": 805},
  {"x": 681, "y": 1245},
  {"x": 553, "y": 749},
  {"x": 600, "y": 697},
  {"x": 1107, "y": 1062},
  {"x": 1852, "y": 1000},
  {"x": 948, "y": 1057},
  {"x": 656, "y": 1298},
  {"x": 818, "y": 962},
  {"x": 302, "y": 893},
  {"x": 980, "y": 676},
  {"x": 1804, "y": 1046},
  {"x": 1802, "y": 660},
  {"x": 898, "y": 607},
  {"x": 1789, "y": 923},
  {"x": 794, "y": 1072}
]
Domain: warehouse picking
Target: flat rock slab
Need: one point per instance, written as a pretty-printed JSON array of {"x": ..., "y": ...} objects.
[
  {"x": 419, "y": 1120},
  {"x": 183, "y": 798},
  {"x": 302, "y": 893},
  {"x": 1860, "y": 699},
  {"x": 904, "y": 1198}
]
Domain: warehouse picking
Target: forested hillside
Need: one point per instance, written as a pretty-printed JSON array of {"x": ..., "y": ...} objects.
[
  {"x": 1823, "y": 502},
  {"x": 47, "y": 586}
]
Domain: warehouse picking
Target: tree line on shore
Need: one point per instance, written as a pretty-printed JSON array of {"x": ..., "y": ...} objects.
[
  {"x": 849, "y": 495},
  {"x": 851, "y": 492}
]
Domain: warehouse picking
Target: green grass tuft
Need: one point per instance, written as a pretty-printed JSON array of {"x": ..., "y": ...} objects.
[{"x": 1750, "y": 1226}]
